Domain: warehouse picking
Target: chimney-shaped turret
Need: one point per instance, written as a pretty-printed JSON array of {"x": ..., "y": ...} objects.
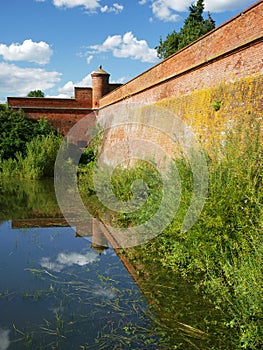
[{"x": 100, "y": 85}]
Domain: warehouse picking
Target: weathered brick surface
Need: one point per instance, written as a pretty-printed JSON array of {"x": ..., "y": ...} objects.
[
  {"x": 228, "y": 53},
  {"x": 63, "y": 113},
  {"x": 225, "y": 65},
  {"x": 62, "y": 119}
]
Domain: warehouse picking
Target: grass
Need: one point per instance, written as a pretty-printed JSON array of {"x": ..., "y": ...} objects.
[
  {"x": 38, "y": 161},
  {"x": 223, "y": 252}
]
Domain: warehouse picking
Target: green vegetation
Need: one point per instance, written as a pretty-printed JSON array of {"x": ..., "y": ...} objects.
[
  {"x": 216, "y": 104},
  {"x": 194, "y": 27},
  {"x": 223, "y": 252},
  {"x": 36, "y": 93},
  {"x": 28, "y": 148},
  {"x": 21, "y": 198}
]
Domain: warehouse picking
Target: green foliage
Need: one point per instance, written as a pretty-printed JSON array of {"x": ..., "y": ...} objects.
[
  {"x": 223, "y": 251},
  {"x": 216, "y": 105},
  {"x": 28, "y": 148},
  {"x": 3, "y": 107},
  {"x": 20, "y": 198},
  {"x": 194, "y": 27},
  {"x": 36, "y": 93},
  {"x": 38, "y": 161},
  {"x": 16, "y": 130}
]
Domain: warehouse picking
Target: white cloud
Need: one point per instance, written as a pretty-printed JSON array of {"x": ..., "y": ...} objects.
[
  {"x": 90, "y": 5},
  {"x": 4, "y": 339},
  {"x": 67, "y": 90},
  {"x": 167, "y": 10},
  {"x": 22, "y": 80},
  {"x": 116, "y": 8},
  {"x": 107, "y": 293},
  {"x": 27, "y": 51},
  {"x": 89, "y": 59},
  {"x": 163, "y": 12},
  {"x": 86, "y": 81},
  {"x": 64, "y": 260},
  {"x": 127, "y": 46},
  {"x": 226, "y": 5}
]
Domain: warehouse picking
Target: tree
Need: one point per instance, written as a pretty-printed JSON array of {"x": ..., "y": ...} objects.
[
  {"x": 36, "y": 93},
  {"x": 194, "y": 27}
]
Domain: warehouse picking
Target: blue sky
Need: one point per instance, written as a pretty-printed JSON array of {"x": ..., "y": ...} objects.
[{"x": 53, "y": 45}]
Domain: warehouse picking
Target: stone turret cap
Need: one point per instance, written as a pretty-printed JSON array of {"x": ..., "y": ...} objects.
[{"x": 100, "y": 71}]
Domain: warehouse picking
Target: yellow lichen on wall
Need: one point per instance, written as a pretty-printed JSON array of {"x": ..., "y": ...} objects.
[{"x": 213, "y": 111}]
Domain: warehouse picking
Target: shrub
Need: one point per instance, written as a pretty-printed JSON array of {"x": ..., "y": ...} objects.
[{"x": 16, "y": 130}]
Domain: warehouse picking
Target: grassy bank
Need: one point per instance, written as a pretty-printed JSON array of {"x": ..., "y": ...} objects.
[{"x": 223, "y": 252}]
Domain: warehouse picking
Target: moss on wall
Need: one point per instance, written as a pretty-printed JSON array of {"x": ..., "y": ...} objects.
[{"x": 211, "y": 112}]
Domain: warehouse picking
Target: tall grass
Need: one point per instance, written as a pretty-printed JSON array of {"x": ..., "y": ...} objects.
[
  {"x": 223, "y": 251},
  {"x": 38, "y": 161}
]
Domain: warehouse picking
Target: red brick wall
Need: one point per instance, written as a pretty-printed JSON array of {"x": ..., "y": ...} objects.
[
  {"x": 62, "y": 119},
  {"x": 62, "y": 113},
  {"x": 224, "y": 65},
  {"x": 84, "y": 94},
  {"x": 228, "y": 53},
  {"x": 38, "y": 102}
]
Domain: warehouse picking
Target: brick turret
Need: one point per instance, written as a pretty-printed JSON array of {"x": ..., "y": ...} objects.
[{"x": 100, "y": 85}]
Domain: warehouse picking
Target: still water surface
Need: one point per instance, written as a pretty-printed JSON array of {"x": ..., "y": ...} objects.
[{"x": 56, "y": 292}]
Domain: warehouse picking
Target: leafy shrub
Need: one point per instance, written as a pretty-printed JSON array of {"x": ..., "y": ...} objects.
[
  {"x": 16, "y": 130},
  {"x": 38, "y": 162}
]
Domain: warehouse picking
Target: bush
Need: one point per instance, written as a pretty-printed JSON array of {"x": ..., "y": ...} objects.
[
  {"x": 38, "y": 162},
  {"x": 16, "y": 130}
]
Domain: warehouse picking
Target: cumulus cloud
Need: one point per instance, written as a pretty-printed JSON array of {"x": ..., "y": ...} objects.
[
  {"x": 115, "y": 8},
  {"x": 64, "y": 260},
  {"x": 22, "y": 80},
  {"x": 167, "y": 10},
  {"x": 89, "y": 5},
  {"x": 89, "y": 59},
  {"x": 226, "y": 5},
  {"x": 126, "y": 46},
  {"x": 27, "y": 51},
  {"x": 67, "y": 90},
  {"x": 4, "y": 339}
]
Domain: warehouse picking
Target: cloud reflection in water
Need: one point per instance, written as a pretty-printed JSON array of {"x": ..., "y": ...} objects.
[
  {"x": 64, "y": 260},
  {"x": 4, "y": 339}
]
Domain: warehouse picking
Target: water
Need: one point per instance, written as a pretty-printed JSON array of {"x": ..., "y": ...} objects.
[{"x": 57, "y": 292}]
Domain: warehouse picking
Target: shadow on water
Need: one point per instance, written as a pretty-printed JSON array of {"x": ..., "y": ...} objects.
[{"x": 58, "y": 293}]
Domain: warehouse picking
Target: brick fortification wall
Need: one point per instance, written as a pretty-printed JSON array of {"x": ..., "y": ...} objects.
[
  {"x": 228, "y": 53},
  {"x": 63, "y": 113},
  {"x": 225, "y": 66}
]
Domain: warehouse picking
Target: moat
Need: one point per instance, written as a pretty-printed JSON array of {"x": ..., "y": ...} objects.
[{"x": 58, "y": 293}]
